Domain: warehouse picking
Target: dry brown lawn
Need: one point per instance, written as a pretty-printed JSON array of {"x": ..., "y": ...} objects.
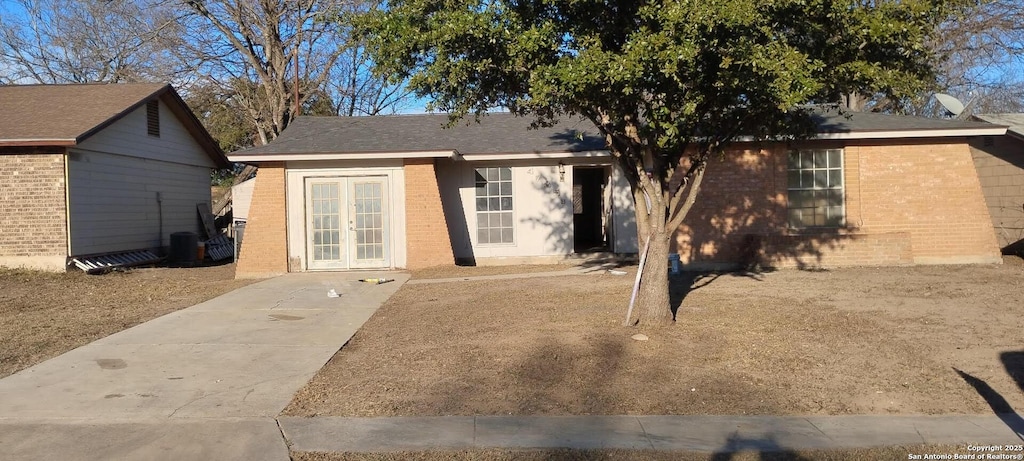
[
  {"x": 864, "y": 454},
  {"x": 845, "y": 341},
  {"x": 43, "y": 315},
  {"x": 445, "y": 272}
]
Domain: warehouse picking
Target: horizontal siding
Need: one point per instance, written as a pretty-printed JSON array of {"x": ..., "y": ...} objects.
[
  {"x": 1001, "y": 171},
  {"x": 128, "y": 136},
  {"x": 114, "y": 201}
]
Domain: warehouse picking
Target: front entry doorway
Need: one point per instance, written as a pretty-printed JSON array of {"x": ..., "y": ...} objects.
[
  {"x": 590, "y": 209},
  {"x": 347, "y": 225}
]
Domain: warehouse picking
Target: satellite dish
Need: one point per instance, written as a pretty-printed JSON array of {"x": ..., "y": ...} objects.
[{"x": 952, "y": 105}]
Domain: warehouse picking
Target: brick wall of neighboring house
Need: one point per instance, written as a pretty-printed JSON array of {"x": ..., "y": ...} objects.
[
  {"x": 426, "y": 236},
  {"x": 264, "y": 251},
  {"x": 33, "y": 207},
  {"x": 917, "y": 202},
  {"x": 999, "y": 161}
]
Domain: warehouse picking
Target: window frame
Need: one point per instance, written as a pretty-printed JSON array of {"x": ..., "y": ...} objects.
[
  {"x": 481, "y": 172},
  {"x": 841, "y": 188}
]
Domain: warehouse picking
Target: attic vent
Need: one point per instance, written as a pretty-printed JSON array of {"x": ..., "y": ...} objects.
[{"x": 153, "y": 118}]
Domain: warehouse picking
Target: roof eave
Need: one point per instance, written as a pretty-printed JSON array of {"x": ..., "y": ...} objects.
[
  {"x": 535, "y": 155},
  {"x": 37, "y": 142},
  {"x": 288, "y": 157},
  {"x": 995, "y": 130}
]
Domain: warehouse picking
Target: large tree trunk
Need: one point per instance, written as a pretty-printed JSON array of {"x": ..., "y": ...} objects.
[{"x": 653, "y": 299}]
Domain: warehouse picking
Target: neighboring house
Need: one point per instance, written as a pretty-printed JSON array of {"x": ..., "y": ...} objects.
[
  {"x": 98, "y": 169},
  {"x": 1000, "y": 164},
  {"x": 337, "y": 193},
  {"x": 241, "y": 198}
]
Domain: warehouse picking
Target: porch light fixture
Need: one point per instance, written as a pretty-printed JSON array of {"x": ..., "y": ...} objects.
[{"x": 561, "y": 172}]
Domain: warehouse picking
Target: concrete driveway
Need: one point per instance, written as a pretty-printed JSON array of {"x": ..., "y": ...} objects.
[{"x": 202, "y": 383}]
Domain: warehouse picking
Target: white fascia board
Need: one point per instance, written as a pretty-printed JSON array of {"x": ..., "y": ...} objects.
[
  {"x": 37, "y": 142},
  {"x": 244, "y": 158},
  {"x": 994, "y": 131},
  {"x": 534, "y": 155},
  {"x": 964, "y": 132}
]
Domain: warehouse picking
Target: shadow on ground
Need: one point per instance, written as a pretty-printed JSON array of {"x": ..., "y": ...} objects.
[
  {"x": 1013, "y": 362},
  {"x": 766, "y": 449},
  {"x": 996, "y": 401},
  {"x": 685, "y": 282}
]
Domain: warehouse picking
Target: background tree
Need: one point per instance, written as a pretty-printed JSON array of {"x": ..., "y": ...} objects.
[
  {"x": 67, "y": 41},
  {"x": 982, "y": 55},
  {"x": 260, "y": 41},
  {"x": 668, "y": 84}
]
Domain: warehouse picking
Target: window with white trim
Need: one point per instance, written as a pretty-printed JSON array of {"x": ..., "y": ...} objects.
[
  {"x": 494, "y": 205},
  {"x": 815, "y": 189}
]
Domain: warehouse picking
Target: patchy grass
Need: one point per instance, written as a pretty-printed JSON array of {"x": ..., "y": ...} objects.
[
  {"x": 850, "y": 341},
  {"x": 44, "y": 314}
]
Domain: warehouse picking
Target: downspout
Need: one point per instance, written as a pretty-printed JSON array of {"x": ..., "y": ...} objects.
[
  {"x": 160, "y": 220},
  {"x": 67, "y": 203}
]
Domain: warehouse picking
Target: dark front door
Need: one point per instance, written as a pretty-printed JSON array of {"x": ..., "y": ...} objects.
[{"x": 588, "y": 208}]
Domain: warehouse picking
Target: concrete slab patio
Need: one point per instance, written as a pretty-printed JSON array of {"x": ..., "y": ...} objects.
[{"x": 201, "y": 383}]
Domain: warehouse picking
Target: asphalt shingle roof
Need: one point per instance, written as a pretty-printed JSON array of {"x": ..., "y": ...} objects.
[
  {"x": 496, "y": 133},
  {"x": 1015, "y": 122},
  {"x": 65, "y": 115},
  {"x": 506, "y": 133},
  {"x": 65, "y": 112},
  {"x": 863, "y": 122}
]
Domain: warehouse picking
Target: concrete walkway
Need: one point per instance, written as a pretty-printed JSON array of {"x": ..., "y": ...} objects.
[
  {"x": 682, "y": 433},
  {"x": 201, "y": 383}
]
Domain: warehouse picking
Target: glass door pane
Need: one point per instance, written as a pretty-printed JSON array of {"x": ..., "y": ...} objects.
[
  {"x": 324, "y": 213},
  {"x": 369, "y": 223}
]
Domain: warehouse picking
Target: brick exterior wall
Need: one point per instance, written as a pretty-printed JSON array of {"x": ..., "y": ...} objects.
[
  {"x": 33, "y": 208},
  {"x": 917, "y": 202},
  {"x": 426, "y": 235},
  {"x": 264, "y": 251},
  {"x": 999, "y": 161},
  {"x": 928, "y": 190}
]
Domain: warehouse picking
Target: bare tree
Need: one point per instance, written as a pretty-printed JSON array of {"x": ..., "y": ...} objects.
[
  {"x": 980, "y": 56},
  {"x": 260, "y": 41},
  {"x": 67, "y": 41},
  {"x": 983, "y": 54},
  {"x": 263, "y": 41},
  {"x": 356, "y": 91}
]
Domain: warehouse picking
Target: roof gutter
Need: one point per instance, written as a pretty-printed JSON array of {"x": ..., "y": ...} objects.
[
  {"x": 536, "y": 155},
  {"x": 283, "y": 157},
  {"x": 37, "y": 142},
  {"x": 995, "y": 130}
]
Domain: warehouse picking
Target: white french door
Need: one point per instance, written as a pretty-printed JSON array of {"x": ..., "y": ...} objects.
[{"x": 347, "y": 223}]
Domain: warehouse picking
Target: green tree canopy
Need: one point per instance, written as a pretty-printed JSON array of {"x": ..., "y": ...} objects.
[{"x": 668, "y": 84}]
